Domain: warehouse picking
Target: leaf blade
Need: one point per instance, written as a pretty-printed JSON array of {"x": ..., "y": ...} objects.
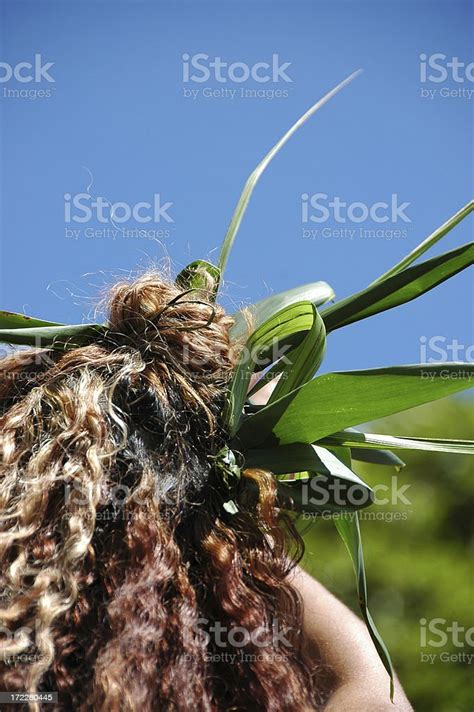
[
  {"x": 336, "y": 401},
  {"x": 431, "y": 240},
  {"x": 398, "y": 289},
  {"x": 257, "y": 172}
]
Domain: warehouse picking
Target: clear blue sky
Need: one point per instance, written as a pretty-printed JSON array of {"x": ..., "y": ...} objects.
[{"x": 117, "y": 108}]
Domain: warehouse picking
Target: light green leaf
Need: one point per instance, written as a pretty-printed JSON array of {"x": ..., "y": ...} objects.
[
  {"x": 302, "y": 362},
  {"x": 337, "y": 401},
  {"x": 255, "y": 175},
  {"x": 11, "y": 320},
  {"x": 200, "y": 275},
  {"x": 428, "y": 242},
  {"x": 355, "y": 439},
  {"x": 316, "y": 292},
  {"x": 56, "y": 337},
  {"x": 348, "y": 527},
  {"x": 399, "y": 289}
]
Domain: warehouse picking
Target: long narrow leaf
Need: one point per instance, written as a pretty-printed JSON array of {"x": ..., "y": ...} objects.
[
  {"x": 372, "y": 440},
  {"x": 56, "y": 337},
  {"x": 399, "y": 289},
  {"x": 337, "y": 401},
  {"x": 349, "y": 531},
  {"x": 255, "y": 175},
  {"x": 336, "y": 488},
  {"x": 302, "y": 362},
  {"x": 11, "y": 320},
  {"x": 431, "y": 240},
  {"x": 377, "y": 457}
]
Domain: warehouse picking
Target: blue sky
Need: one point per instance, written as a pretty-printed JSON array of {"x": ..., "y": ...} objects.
[{"x": 114, "y": 121}]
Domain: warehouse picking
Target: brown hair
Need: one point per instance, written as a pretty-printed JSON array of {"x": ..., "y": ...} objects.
[{"x": 125, "y": 583}]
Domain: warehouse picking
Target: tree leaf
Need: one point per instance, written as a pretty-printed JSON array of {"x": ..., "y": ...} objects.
[
  {"x": 399, "y": 289},
  {"x": 336, "y": 401}
]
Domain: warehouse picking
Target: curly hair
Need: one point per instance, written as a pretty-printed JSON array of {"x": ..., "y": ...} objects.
[{"x": 125, "y": 584}]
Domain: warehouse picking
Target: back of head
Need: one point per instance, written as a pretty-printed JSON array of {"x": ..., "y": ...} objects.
[{"x": 125, "y": 583}]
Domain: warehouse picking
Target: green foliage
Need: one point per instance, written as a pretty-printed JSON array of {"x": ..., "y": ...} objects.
[
  {"x": 417, "y": 554},
  {"x": 308, "y": 417}
]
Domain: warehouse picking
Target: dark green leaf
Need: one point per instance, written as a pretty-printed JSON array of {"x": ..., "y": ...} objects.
[
  {"x": 336, "y": 488},
  {"x": 402, "y": 287},
  {"x": 264, "y": 343},
  {"x": 377, "y": 457}
]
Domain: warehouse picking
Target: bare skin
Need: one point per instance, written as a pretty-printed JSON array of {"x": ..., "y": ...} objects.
[{"x": 339, "y": 640}]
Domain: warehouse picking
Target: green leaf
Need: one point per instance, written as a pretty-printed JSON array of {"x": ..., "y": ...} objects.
[
  {"x": 355, "y": 439},
  {"x": 316, "y": 292},
  {"x": 336, "y": 401},
  {"x": 377, "y": 457},
  {"x": 200, "y": 275},
  {"x": 56, "y": 337},
  {"x": 336, "y": 488},
  {"x": 348, "y": 527},
  {"x": 302, "y": 362},
  {"x": 431, "y": 240},
  {"x": 255, "y": 175},
  {"x": 399, "y": 289},
  {"x": 285, "y": 323},
  {"x": 11, "y": 320}
]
